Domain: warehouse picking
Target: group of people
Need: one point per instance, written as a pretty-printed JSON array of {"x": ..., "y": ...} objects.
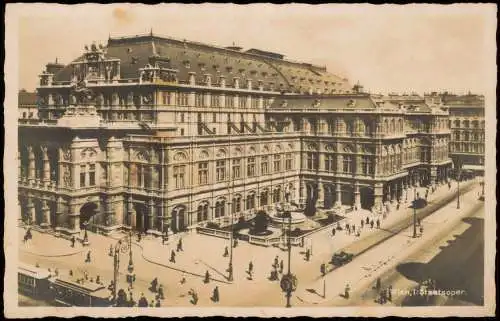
[
  {"x": 351, "y": 228},
  {"x": 27, "y": 236},
  {"x": 178, "y": 249},
  {"x": 384, "y": 294},
  {"x": 277, "y": 264}
]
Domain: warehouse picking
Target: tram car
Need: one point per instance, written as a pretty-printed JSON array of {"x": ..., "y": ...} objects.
[
  {"x": 69, "y": 292},
  {"x": 34, "y": 282}
]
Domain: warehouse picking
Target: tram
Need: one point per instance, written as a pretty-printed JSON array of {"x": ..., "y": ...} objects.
[{"x": 34, "y": 282}]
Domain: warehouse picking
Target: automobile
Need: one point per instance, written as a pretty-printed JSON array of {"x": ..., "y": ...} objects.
[{"x": 341, "y": 258}]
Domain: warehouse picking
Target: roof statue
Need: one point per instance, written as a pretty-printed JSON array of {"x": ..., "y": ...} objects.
[{"x": 80, "y": 92}]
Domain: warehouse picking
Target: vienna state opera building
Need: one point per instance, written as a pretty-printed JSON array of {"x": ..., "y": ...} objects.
[{"x": 150, "y": 133}]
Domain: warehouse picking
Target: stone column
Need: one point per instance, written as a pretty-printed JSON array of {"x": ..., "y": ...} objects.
[
  {"x": 74, "y": 218},
  {"x": 303, "y": 192},
  {"x": 357, "y": 196},
  {"x": 31, "y": 164},
  {"x": 31, "y": 214},
  {"x": 320, "y": 201},
  {"x": 46, "y": 215},
  {"x": 46, "y": 167},
  {"x": 338, "y": 191},
  {"x": 131, "y": 213},
  {"x": 151, "y": 214},
  {"x": 378, "y": 190}
]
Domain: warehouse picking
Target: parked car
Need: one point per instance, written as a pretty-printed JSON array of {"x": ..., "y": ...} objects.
[{"x": 339, "y": 259}]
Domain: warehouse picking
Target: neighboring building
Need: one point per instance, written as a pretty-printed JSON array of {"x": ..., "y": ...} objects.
[
  {"x": 467, "y": 125},
  {"x": 150, "y": 133},
  {"x": 28, "y": 109}
]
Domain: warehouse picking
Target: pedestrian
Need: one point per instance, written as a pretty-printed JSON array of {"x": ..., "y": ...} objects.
[
  {"x": 215, "y": 295},
  {"x": 70, "y": 272},
  {"x": 389, "y": 293},
  {"x": 421, "y": 230},
  {"x": 194, "y": 296},
  {"x": 371, "y": 223},
  {"x": 322, "y": 269},
  {"x": 276, "y": 261},
  {"x": 154, "y": 284},
  {"x": 353, "y": 228},
  {"x": 397, "y": 206},
  {"x": 110, "y": 250},
  {"x": 183, "y": 278},
  {"x": 333, "y": 231},
  {"x": 161, "y": 294},
  {"x": 346, "y": 291},
  {"x": 362, "y": 223},
  {"x": 73, "y": 241},
  {"x": 152, "y": 304},
  {"x": 158, "y": 304},
  {"x": 418, "y": 221},
  {"x": 85, "y": 275},
  {"x": 88, "y": 257},
  {"x": 179, "y": 245},
  {"x": 367, "y": 220},
  {"x": 378, "y": 223},
  {"x": 172, "y": 256},
  {"x": 207, "y": 277},
  {"x": 347, "y": 227},
  {"x": 56, "y": 272},
  {"x": 235, "y": 242},
  {"x": 281, "y": 267},
  {"x": 98, "y": 279},
  {"x": 139, "y": 237}
]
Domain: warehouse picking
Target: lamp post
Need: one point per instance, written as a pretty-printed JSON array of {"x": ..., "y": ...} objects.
[
  {"x": 232, "y": 210},
  {"x": 85, "y": 241},
  {"x": 459, "y": 174},
  {"x": 289, "y": 281},
  {"x": 123, "y": 247},
  {"x": 414, "y": 212}
]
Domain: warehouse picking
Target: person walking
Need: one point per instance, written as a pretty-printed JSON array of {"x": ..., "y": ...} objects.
[
  {"x": 215, "y": 294},
  {"x": 367, "y": 220},
  {"x": 183, "y": 278},
  {"x": 250, "y": 268},
  {"x": 179, "y": 245},
  {"x": 346, "y": 291},
  {"x": 362, "y": 223},
  {"x": 378, "y": 223},
  {"x": 161, "y": 294},
  {"x": 143, "y": 302},
  {"x": 281, "y": 266},
  {"x": 73, "y": 241},
  {"x": 308, "y": 255},
  {"x": 371, "y": 224},
  {"x": 226, "y": 252},
  {"x": 88, "y": 259},
  {"x": 172, "y": 256},
  {"x": 207, "y": 277},
  {"x": 333, "y": 231},
  {"x": 322, "y": 269},
  {"x": 276, "y": 261}
]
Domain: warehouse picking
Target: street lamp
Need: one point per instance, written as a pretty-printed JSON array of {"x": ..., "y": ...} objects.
[
  {"x": 123, "y": 247},
  {"x": 289, "y": 281},
  {"x": 85, "y": 241},
  {"x": 414, "y": 212},
  {"x": 459, "y": 174}
]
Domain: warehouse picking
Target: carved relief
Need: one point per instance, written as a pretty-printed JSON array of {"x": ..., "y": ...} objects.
[
  {"x": 67, "y": 177},
  {"x": 66, "y": 154},
  {"x": 221, "y": 153},
  {"x": 180, "y": 157},
  {"x": 204, "y": 155},
  {"x": 88, "y": 153}
]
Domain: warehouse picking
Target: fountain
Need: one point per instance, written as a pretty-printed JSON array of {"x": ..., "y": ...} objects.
[{"x": 281, "y": 215}]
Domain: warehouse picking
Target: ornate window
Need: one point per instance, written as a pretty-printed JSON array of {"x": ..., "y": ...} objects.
[
  {"x": 215, "y": 101},
  {"x": 236, "y": 168},
  {"x": 264, "y": 165},
  {"x": 220, "y": 170},
  {"x": 203, "y": 173},
  {"x": 367, "y": 165},
  {"x": 236, "y": 206},
  {"x": 312, "y": 161},
  {"x": 288, "y": 161},
  {"x": 202, "y": 212},
  {"x": 220, "y": 208},
  {"x": 347, "y": 164},
  {"x": 263, "y": 198},
  {"x": 277, "y": 163},
  {"x": 179, "y": 174},
  {"x": 250, "y": 202},
  {"x": 251, "y": 166},
  {"x": 229, "y": 101},
  {"x": 182, "y": 99},
  {"x": 83, "y": 170},
  {"x": 330, "y": 163}
]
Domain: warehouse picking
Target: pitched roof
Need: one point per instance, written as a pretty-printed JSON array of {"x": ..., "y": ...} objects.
[
  {"x": 327, "y": 102},
  {"x": 135, "y": 52}
]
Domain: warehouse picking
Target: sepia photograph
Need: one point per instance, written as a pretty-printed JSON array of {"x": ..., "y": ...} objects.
[{"x": 250, "y": 160}]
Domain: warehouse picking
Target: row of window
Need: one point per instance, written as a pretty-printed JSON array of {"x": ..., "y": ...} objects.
[
  {"x": 476, "y": 137},
  {"x": 330, "y": 165},
  {"x": 467, "y": 123},
  {"x": 87, "y": 175},
  {"x": 213, "y": 100}
]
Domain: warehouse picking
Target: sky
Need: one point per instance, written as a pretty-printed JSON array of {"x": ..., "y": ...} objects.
[{"x": 388, "y": 48}]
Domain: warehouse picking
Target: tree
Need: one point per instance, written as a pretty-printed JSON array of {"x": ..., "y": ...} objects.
[{"x": 261, "y": 222}]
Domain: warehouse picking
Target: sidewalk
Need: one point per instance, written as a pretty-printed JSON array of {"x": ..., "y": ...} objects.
[{"x": 381, "y": 258}]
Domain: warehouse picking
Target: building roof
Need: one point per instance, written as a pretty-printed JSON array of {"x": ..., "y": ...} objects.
[
  {"x": 27, "y": 98},
  {"x": 186, "y": 56},
  {"x": 354, "y": 101}
]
